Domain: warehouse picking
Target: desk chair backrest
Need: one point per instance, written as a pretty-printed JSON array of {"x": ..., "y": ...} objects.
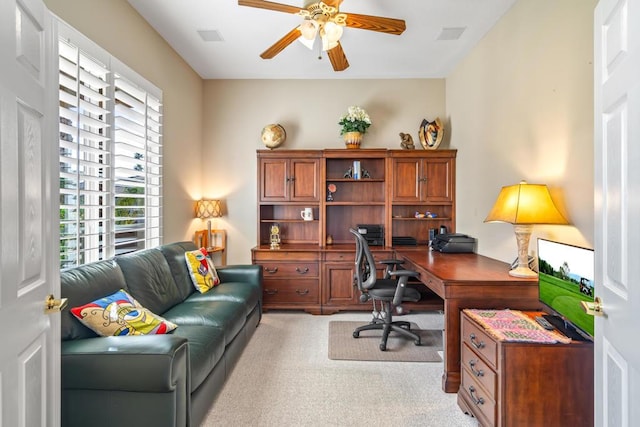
[{"x": 365, "y": 267}]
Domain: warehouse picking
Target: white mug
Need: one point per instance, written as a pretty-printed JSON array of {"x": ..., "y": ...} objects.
[{"x": 307, "y": 214}]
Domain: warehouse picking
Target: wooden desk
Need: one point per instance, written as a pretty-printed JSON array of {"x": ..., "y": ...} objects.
[{"x": 467, "y": 281}]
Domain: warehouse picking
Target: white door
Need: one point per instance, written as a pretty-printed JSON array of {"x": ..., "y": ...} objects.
[
  {"x": 30, "y": 340},
  {"x": 617, "y": 211}
]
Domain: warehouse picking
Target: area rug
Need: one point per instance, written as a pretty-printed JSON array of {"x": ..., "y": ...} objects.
[{"x": 343, "y": 346}]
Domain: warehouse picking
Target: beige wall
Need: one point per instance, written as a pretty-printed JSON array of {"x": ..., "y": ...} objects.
[
  {"x": 521, "y": 107},
  {"x": 235, "y": 111},
  {"x": 119, "y": 29}
]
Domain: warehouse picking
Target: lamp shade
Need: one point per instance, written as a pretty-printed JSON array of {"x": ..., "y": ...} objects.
[
  {"x": 309, "y": 29},
  {"x": 331, "y": 34},
  {"x": 525, "y": 204},
  {"x": 208, "y": 208}
]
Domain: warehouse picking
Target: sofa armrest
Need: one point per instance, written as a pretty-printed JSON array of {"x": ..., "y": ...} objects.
[
  {"x": 241, "y": 273},
  {"x": 153, "y": 363}
]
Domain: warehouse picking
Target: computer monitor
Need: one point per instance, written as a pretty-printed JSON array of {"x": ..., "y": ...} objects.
[{"x": 566, "y": 277}]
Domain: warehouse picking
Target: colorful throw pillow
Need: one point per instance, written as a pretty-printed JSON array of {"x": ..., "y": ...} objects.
[
  {"x": 203, "y": 273},
  {"x": 121, "y": 314}
]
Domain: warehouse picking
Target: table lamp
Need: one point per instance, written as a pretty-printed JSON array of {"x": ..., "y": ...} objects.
[
  {"x": 524, "y": 205},
  {"x": 206, "y": 209}
]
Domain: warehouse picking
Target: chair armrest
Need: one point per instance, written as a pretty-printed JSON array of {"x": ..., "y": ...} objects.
[
  {"x": 391, "y": 265},
  {"x": 402, "y": 284},
  {"x": 150, "y": 363},
  {"x": 391, "y": 261},
  {"x": 405, "y": 273},
  {"x": 241, "y": 273}
]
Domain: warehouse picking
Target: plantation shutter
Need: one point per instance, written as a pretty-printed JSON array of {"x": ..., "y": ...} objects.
[
  {"x": 110, "y": 155},
  {"x": 85, "y": 157},
  {"x": 138, "y": 165}
]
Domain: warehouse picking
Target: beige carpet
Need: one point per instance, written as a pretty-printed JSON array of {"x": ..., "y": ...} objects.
[
  {"x": 285, "y": 379},
  {"x": 342, "y": 345}
]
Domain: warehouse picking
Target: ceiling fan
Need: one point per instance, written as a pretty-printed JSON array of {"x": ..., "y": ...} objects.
[{"x": 324, "y": 20}]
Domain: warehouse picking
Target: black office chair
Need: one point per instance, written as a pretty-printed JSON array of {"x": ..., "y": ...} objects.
[{"x": 391, "y": 292}]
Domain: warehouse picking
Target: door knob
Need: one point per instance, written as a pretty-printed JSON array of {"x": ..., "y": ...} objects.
[
  {"x": 52, "y": 305},
  {"x": 593, "y": 308}
]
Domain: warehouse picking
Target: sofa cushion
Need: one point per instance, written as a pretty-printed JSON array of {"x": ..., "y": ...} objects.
[
  {"x": 206, "y": 347},
  {"x": 244, "y": 293},
  {"x": 174, "y": 254},
  {"x": 149, "y": 279},
  {"x": 226, "y": 315},
  {"x": 201, "y": 269},
  {"x": 83, "y": 284},
  {"x": 120, "y": 314}
]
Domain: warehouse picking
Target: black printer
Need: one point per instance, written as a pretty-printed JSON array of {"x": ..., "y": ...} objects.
[
  {"x": 453, "y": 243},
  {"x": 372, "y": 233}
]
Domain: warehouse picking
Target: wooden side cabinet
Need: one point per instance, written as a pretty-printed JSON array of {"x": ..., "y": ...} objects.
[{"x": 524, "y": 384}]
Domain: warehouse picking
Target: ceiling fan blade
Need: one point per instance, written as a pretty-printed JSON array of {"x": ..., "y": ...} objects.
[
  {"x": 285, "y": 41},
  {"x": 338, "y": 58},
  {"x": 376, "y": 23},
  {"x": 332, "y": 3},
  {"x": 261, "y": 4}
]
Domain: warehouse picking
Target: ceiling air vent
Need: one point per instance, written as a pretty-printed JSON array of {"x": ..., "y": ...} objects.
[
  {"x": 210, "y": 35},
  {"x": 451, "y": 33}
]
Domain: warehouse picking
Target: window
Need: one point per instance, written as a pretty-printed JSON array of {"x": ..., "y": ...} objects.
[{"x": 110, "y": 155}]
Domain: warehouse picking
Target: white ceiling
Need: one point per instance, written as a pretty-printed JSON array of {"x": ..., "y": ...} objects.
[{"x": 248, "y": 31}]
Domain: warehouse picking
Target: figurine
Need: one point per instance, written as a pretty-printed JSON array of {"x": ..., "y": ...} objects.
[
  {"x": 331, "y": 188},
  {"x": 275, "y": 237},
  {"x": 407, "y": 141}
]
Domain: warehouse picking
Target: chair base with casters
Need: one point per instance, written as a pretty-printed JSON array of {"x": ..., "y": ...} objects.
[
  {"x": 391, "y": 291},
  {"x": 386, "y": 324}
]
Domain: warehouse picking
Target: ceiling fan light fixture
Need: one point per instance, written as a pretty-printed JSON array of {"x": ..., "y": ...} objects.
[
  {"x": 330, "y": 33},
  {"x": 309, "y": 29}
]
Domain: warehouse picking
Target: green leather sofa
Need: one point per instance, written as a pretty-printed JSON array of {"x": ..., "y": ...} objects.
[{"x": 157, "y": 380}]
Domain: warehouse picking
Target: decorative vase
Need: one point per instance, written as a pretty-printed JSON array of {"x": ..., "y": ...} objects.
[{"x": 352, "y": 139}]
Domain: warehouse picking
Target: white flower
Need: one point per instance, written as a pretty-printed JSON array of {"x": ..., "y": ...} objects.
[{"x": 356, "y": 120}]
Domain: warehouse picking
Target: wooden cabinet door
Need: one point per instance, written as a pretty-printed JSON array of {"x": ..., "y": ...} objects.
[
  {"x": 437, "y": 182},
  {"x": 422, "y": 180},
  {"x": 274, "y": 180},
  {"x": 407, "y": 176},
  {"x": 305, "y": 174},
  {"x": 285, "y": 180},
  {"x": 339, "y": 287}
]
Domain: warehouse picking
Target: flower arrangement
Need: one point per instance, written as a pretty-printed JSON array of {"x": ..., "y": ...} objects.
[{"x": 356, "y": 120}]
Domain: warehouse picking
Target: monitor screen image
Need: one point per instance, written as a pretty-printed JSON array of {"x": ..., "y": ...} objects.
[{"x": 566, "y": 277}]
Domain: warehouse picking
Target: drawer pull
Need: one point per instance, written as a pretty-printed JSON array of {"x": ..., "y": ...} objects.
[
  {"x": 271, "y": 291},
  {"x": 302, "y": 292},
  {"x": 476, "y": 400},
  {"x": 477, "y": 345},
  {"x": 272, "y": 270},
  {"x": 478, "y": 373},
  {"x": 305, "y": 271}
]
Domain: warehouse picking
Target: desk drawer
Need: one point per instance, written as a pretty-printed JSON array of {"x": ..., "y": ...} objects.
[
  {"x": 295, "y": 291},
  {"x": 293, "y": 269},
  {"x": 433, "y": 283},
  {"x": 480, "y": 370},
  {"x": 479, "y": 398},
  {"x": 350, "y": 256},
  {"x": 284, "y": 256},
  {"x": 477, "y": 339}
]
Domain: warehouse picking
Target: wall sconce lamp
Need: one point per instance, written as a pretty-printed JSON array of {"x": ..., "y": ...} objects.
[
  {"x": 206, "y": 209},
  {"x": 525, "y": 205}
]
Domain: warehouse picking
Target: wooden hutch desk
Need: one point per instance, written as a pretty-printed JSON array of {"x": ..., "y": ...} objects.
[{"x": 467, "y": 281}]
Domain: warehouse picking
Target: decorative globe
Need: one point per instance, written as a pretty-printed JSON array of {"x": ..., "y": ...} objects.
[{"x": 273, "y": 135}]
